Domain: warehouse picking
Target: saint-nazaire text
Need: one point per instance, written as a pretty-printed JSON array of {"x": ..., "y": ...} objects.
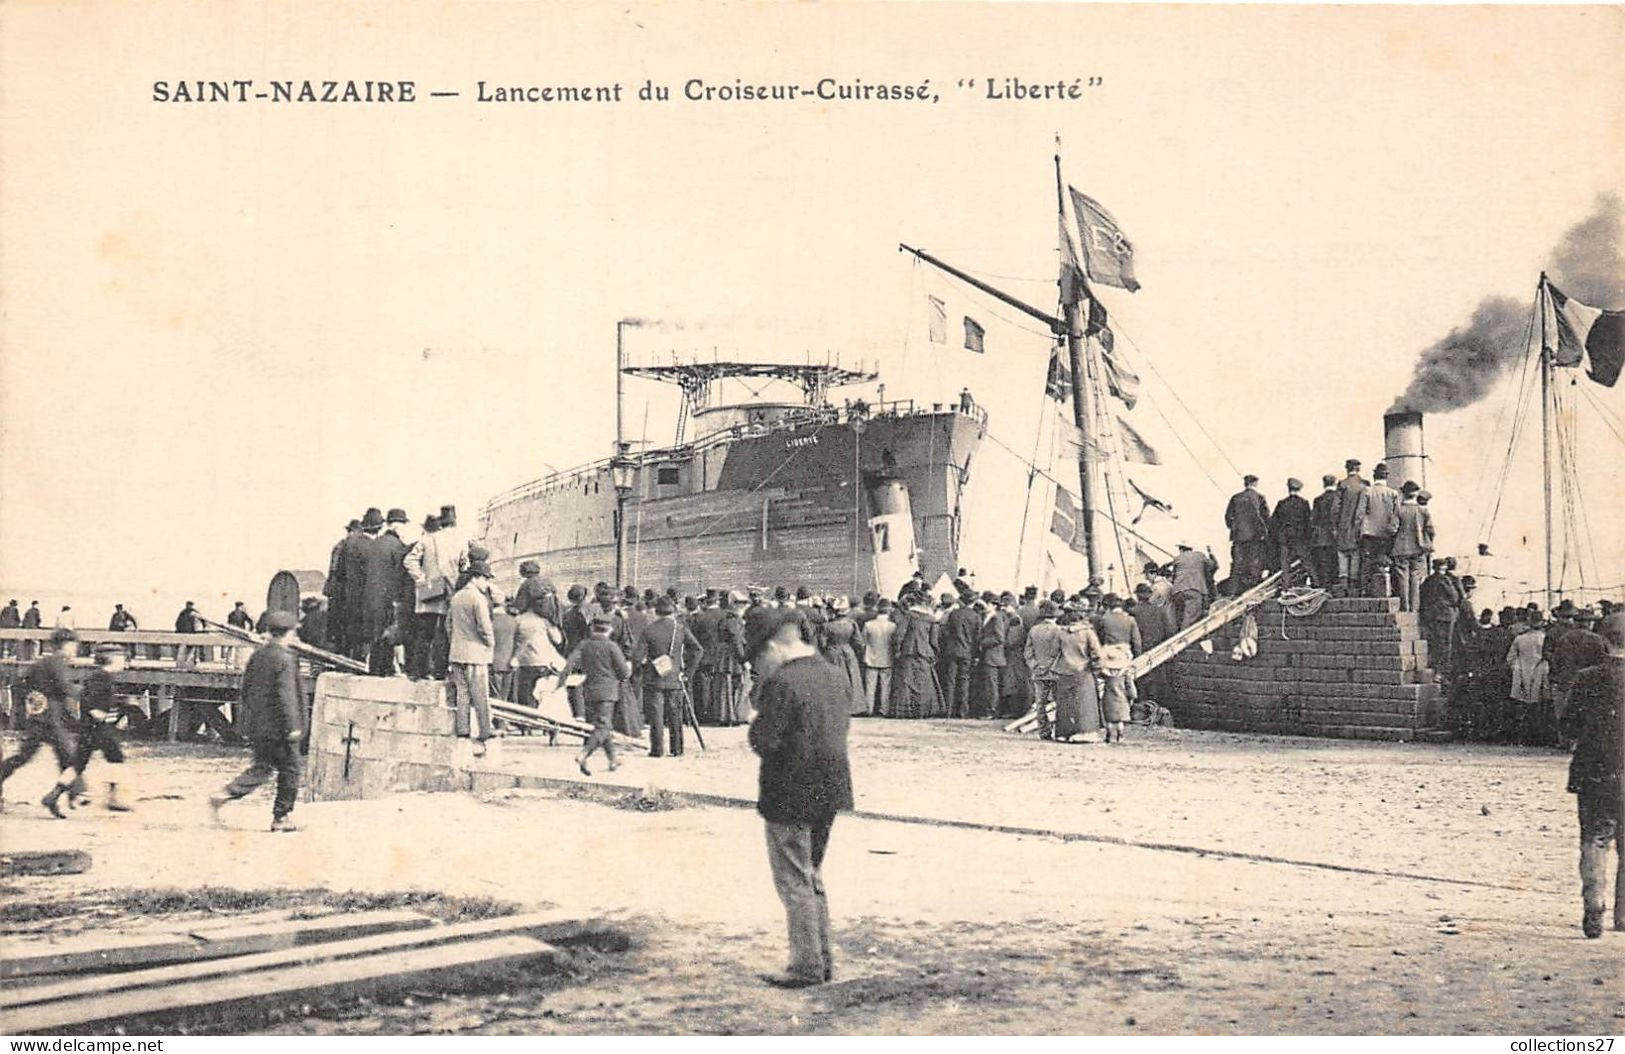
[{"x": 284, "y": 91}]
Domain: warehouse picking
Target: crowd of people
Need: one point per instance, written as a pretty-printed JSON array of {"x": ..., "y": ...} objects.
[{"x": 1358, "y": 537}]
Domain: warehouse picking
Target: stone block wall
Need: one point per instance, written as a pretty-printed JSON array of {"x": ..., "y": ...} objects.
[
  {"x": 1357, "y": 668},
  {"x": 373, "y": 736}
]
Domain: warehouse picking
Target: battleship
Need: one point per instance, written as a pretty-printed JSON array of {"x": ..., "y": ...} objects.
[
  {"x": 780, "y": 484},
  {"x": 843, "y": 498}
]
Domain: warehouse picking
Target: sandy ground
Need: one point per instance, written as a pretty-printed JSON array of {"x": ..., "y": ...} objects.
[{"x": 1462, "y": 917}]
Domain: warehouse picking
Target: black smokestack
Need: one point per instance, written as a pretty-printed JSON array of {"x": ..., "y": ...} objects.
[{"x": 1462, "y": 368}]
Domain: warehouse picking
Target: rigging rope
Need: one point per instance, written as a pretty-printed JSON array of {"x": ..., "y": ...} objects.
[
  {"x": 1508, "y": 404},
  {"x": 1119, "y": 331}
]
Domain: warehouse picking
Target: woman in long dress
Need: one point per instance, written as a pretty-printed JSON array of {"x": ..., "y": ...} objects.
[
  {"x": 839, "y": 650},
  {"x": 1077, "y": 700}
]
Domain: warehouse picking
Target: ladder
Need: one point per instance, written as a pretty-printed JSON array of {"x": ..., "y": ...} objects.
[{"x": 1220, "y": 616}]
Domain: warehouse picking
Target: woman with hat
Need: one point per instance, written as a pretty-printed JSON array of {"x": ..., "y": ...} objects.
[
  {"x": 838, "y": 646},
  {"x": 1077, "y": 696}
]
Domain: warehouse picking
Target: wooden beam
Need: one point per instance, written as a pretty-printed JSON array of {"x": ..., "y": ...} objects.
[
  {"x": 1148, "y": 660},
  {"x": 547, "y": 926},
  {"x": 316, "y": 655},
  {"x": 98, "y": 951},
  {"x": 366, "y": 975}
]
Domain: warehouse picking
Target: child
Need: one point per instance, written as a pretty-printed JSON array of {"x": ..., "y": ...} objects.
[{"x": 600, "y": 661}]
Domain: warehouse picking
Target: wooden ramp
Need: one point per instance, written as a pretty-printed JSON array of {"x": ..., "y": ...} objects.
[{"x": 1219, "y": 616}]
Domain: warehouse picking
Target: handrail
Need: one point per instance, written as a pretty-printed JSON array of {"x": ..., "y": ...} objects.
[{"x": 800, "y": 417}]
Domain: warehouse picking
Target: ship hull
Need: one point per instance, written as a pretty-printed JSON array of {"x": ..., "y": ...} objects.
[{"x": 790, "y": 506}]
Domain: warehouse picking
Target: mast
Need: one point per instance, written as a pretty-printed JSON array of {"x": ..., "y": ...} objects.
[
  {"x": 1080, "y": 399},
  {"x": 618, "y": 468},
  {"x": 1542, "y": 299}
]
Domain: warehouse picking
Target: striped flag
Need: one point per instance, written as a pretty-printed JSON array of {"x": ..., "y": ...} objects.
[{"x": 1572, "y": 332}]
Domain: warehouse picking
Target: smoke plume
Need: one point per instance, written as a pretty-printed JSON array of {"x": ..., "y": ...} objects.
[{"x": 1462, "y": 368}]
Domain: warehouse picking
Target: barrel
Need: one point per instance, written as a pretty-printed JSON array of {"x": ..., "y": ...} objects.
[{"x": 288, "y": 586}]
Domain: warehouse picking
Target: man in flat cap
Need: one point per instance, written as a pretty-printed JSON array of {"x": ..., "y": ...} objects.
[
  {"x": 1379, "y": 523},
  {"x": 1323, "y": 534},
  {"x": 1413, "y": 545},
  {"x": 1247, "y": 516},
  {"x": 273, "y": 720},
  {"x": 1289, "y": 532},
  {"x": 1349, "y": 490}
]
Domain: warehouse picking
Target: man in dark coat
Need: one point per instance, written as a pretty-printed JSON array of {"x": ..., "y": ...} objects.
[
  {"x": 666, "y": 652},
  {"x": 1247, "y": 516},
  {"x": 385, "y": 586},
  {"x": 347, "y": 614},
  {"x": 1349, "y": 490},
  {"x": 1289, "y": 532},
  {"x": 958, "y": 652},
  {"x": 1595, "y": 778},
  {"x": 351, "y": 609},
  {"x": 1439, "y": 606},
  {"x": 10, "y": 617},
  {"x": 273, "y": 721},
  {"x": 239, "y": 617},
  {"x": 1575, "y": 649},
  {"x": 704, "y": 624},
  {"x": 333, "y": 589},
  {"x": 122, "y": 621},
  {"x": 1323, "y": 534},
  {"x": 800, "y": 734}
]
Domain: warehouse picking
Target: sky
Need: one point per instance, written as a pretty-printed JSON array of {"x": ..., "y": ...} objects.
[{"x": 229, "y": 328}]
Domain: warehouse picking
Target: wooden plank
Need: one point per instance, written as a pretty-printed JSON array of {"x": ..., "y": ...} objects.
[
  {"x": 44, "y": 862},
  {"x": 547, "y": 926},
  {"x": 348, "y": 978},
  {"x": 97, "y": 951}
]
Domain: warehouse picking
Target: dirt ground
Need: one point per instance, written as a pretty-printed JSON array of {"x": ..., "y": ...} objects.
[{"x": 1183, "y": 882}]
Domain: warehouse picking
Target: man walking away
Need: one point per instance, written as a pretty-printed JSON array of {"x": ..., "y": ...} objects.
[
  {"x": 1412, "y": 544},
  {"x": 274, "y": 720},
  {"x": 1247, "y": 517},
  {"x": 472, "y": 640},
  {"x": 1594, "y": 721},
  {"x": 1289, "y": 531},
  {"x": 800, "y": 735},
  {"x": 47, "y": 711},
  {"x": 602, "y": 667}
]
